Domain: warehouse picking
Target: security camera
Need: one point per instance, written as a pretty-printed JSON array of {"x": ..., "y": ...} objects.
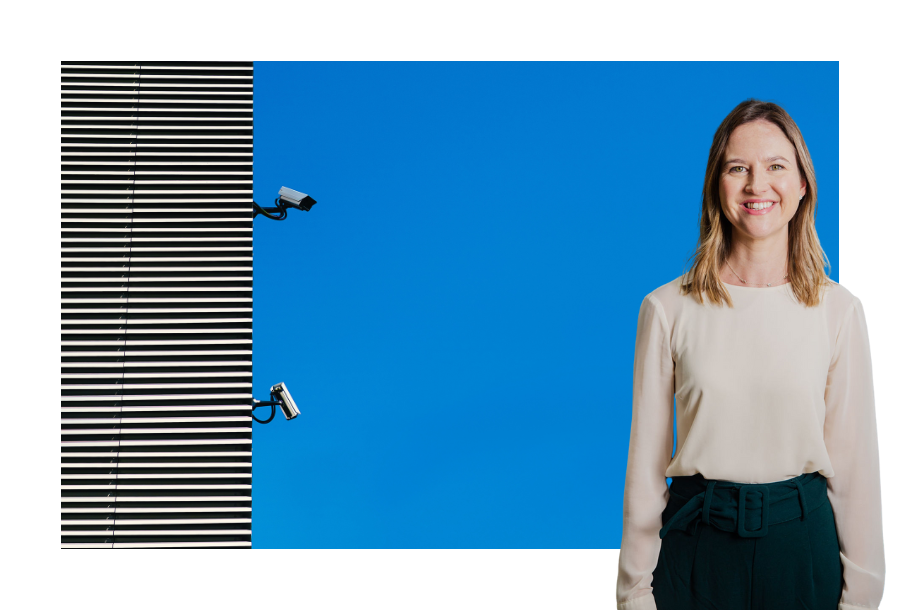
[
  {"x": 287, "y": 198},
  {"x": 295, "y": 199},
  {"x": 280, "y": 397},
  {"x": 280, "y": 392}
]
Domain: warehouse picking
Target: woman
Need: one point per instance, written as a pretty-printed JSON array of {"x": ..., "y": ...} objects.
[{"x": 775, "y": 501}]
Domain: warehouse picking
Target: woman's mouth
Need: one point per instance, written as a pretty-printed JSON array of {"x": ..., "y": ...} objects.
[{"x": 758, "y": 208}]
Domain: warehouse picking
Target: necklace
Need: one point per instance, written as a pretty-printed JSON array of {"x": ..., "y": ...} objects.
[{"x": 745, "y": 281}]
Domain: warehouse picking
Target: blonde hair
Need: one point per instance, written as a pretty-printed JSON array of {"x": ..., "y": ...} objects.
[{"x": 806, "y": 258}]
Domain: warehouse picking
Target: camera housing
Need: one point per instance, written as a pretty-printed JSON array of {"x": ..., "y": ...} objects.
[
  {"x": 295, "y": 199},
  {"x": 280, "y": 392}
]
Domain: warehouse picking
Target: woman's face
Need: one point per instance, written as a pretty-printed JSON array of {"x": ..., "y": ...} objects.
[{"x": 760, "y": 166}]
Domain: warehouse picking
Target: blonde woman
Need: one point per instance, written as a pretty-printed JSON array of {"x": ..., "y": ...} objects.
[{"x": 775, "y": 500}]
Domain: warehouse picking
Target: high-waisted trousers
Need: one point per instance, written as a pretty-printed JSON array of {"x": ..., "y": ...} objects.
[{"x": 738, "y": 546}]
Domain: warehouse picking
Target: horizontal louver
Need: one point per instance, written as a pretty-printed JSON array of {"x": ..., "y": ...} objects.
[{"x": 157, "y": 289}]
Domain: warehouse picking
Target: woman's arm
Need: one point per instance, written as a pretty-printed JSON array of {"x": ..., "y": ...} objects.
[
  {"x": 649, "y": 453},
  {"x": 851, "y": 439}
]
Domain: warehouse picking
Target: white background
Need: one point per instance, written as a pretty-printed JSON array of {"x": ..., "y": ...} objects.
[{"x": 38, "y": 574}]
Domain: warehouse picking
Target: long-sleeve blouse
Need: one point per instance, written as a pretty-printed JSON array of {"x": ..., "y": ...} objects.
[{"x": 796, "y": 384}]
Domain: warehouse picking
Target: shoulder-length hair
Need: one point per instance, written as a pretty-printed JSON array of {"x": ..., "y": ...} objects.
[{"x": 806, "y": 258}]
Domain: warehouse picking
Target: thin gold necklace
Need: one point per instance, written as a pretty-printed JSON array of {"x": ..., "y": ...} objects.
[{"x": 745, "y": 281}]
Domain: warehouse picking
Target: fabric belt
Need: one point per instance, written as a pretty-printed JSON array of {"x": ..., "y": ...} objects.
[{"x": 743, "y": 508}]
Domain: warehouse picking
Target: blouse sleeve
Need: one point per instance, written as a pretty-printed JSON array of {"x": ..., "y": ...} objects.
[
  {"x": 649, "y": 454},
  {"x": 851, "y": 440}
]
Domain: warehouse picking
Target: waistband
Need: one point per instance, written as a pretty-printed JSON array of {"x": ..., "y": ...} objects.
[{"x": 744, "y": 508}]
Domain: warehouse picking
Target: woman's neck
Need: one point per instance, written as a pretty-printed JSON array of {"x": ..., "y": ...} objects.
[{"x": 755, "y": 264}]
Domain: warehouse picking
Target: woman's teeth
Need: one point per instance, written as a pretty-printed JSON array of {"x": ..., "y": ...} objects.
[{"x": 759, "y": 206}]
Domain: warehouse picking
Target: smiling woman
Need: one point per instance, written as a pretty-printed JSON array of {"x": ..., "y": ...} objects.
[{"x": 775, "y": 501}]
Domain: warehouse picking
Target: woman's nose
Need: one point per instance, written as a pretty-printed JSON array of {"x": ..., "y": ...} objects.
[{"x": 757, "y": 182}]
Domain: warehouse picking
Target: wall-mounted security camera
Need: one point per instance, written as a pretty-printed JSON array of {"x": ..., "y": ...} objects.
[
  {"x": 287, "y": 198},
  {"x": 280, "y": 397},
  {"x": 295, "y": 199},
  {"x": 288, "y": 406}
]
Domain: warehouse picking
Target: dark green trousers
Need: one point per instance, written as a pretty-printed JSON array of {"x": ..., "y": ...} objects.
[{"x": 734, "y": 546}]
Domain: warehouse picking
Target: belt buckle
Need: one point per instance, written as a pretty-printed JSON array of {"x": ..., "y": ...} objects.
[{"x": 764, "y": 527}]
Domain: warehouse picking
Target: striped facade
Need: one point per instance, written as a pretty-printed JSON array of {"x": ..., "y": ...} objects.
[{"x": 157, "y": 280}]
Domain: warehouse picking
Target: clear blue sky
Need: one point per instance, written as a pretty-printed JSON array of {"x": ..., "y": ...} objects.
[{"x": 456, "y": 316}]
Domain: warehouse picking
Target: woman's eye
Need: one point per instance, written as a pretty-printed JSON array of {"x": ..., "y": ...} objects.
[
  {"x": 778, "y": 166},
  {"x": 734, "y": 169}
]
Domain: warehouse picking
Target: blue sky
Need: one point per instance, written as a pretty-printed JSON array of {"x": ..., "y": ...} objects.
[{"x": 456, "y": 316}]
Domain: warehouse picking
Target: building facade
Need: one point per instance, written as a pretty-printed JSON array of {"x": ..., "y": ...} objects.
[{"x": 157, "y": 303}]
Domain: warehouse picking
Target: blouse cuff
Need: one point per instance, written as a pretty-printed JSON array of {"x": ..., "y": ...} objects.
[{"x": 647, "y": 602}]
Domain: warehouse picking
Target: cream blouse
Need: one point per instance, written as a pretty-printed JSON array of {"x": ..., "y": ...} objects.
[{"x": 763, "y": 392}]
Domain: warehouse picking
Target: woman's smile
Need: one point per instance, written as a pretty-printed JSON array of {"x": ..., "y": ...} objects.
[{"x": 756, "y": 207}]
